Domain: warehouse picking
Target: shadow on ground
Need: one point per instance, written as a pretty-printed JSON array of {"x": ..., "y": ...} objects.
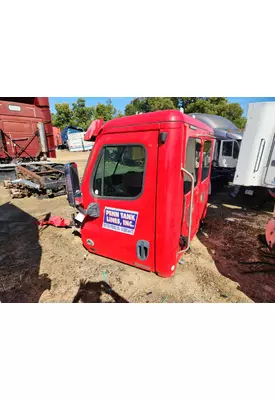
[
  {"x": 20, "y": 256},
  {"x": 230, "y": 236},
  {"x": 97, "y": 292}
]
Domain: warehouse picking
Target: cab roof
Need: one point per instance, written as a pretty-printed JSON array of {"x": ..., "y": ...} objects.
[{"x": 156, "y": 117}]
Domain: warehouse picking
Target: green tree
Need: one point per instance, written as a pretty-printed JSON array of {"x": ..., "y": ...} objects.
[
  {"x": 120, "y": 114},
  {"x": 218, "y": 106},
  {"x": 148, "y": 104},
  {"x": 82, "y": 115},
  {"x": 135, "y": 106},
  {"x": 185, "y": 101},
  {"x": 63, "y": 115},
  {"x": 208, "y": 105},
  {"x": 234, "y": 113},
  {"x": 106, "y": 111}
]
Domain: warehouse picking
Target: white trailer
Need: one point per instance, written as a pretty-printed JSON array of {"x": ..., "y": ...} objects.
[
  {"x": 256, "y": 162},
  {"x": 76, "y": 142}
]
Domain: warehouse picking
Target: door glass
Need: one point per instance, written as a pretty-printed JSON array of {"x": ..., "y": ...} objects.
[
  {"x": 206, "y": 159},
  {"x": 236, "y": 150},
  {"x": 120, "y": 172},
  {"x": 98, "y": 187},
  {"x": 192, "y": 162},
  {"x": 227, "y": 149}
]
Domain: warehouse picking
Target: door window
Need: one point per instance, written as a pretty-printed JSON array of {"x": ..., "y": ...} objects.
[
  {"x": 192, "y": 162},
  {"x": 227, "y": 149},
  {"x": 119, "y": 172},
  {"x": 206, "y": 159},
  {"x": 236, "y": 150}
]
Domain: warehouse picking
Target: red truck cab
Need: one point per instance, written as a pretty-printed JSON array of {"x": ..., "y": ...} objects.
[
  {"x": 145, "y": 188},
  {"x": 19, "y": 138}
]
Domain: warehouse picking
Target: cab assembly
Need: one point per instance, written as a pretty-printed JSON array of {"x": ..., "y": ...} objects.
[{"x": 145, "y": 189}]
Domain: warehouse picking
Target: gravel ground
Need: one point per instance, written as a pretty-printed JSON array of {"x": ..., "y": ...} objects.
[{"x": 51, "y": 265}]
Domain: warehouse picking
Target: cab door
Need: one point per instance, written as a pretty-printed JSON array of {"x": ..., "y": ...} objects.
[
  {"x": 121, "y": 179},
  {"x": 207, "y": 151},
  {"x": 192, "y": 164}
]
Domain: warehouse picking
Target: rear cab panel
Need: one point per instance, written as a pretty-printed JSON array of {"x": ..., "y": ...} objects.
[
  {"x": 169, "y": 203},
  {"x": 174, "y": 194}
]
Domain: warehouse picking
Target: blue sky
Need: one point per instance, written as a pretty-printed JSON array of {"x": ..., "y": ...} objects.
[
  {"x": 244, "y": 101},
  {"x": 120, "y": 102}
]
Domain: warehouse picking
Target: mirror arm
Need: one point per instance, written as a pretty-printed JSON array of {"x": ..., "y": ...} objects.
[
  {"x": 81, "y": 209},
  {"x": 93, "y": 210}
]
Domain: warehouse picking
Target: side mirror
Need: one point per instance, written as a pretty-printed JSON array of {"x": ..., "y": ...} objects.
[{"x": 72, "y": 182}]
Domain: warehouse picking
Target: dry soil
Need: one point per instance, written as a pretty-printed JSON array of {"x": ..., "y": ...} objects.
[{"x": 50, "y": 264}]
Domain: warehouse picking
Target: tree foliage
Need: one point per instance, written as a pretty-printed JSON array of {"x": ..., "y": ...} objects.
[
  {"x": 208, "y": 105},
  {"x": 106, "y": 111},
  {"x": 148, "y": 104},
  {"x": 62, "y": 116},
  {"x": 80, "y": 115}
]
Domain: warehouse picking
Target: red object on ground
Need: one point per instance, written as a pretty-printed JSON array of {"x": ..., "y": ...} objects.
[
  {"x": 270, "y": 227},
  {"x": 270, "y": 233},
  {"x": 57, "y": 221}
]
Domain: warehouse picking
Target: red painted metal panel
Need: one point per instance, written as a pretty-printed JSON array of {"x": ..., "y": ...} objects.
[
  {"x": 18, "y": 125},
  {"x": 118, "y": 245},
  {"x": 57, "y": 136},
  {"x": 162, "y": 207}
]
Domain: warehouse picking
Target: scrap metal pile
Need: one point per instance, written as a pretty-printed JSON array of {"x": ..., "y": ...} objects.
[{"x": 40, "y": 179}]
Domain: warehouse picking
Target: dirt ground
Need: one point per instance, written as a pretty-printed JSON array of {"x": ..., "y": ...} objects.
[{"x": 51, "y": 265}]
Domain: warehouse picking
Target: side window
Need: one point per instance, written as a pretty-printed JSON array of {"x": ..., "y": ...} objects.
[
  {"x": 192, "y": 162},
  {"x": 206, "y": 159},
  {"x": 120, "y": 172},
  {"x": 236, "y": 150},
  {"x": 97, "y": 186},
  {"x": 227, "y": 149}
]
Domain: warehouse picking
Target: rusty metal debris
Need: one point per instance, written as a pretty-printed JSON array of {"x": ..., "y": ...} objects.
[{"x": 41, "y": 180}]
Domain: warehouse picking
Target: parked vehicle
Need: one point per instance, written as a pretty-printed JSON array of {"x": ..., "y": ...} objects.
[
  {"x": 226, "y": 150},
  {"x": 145, "y": 188},
  {"x": 69, "y": 130},
  {"x": 256, "y": 162},
  {"x": 26, "y": 141},
  {"x": 251, "y": 176},
  {"x": 76, "y": 142}
]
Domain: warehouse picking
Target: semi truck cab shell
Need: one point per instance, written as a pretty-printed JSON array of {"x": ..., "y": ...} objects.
[{"x": 139, "y": 179}]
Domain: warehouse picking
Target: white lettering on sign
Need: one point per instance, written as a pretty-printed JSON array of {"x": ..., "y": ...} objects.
[
  {"x": 118, "y": 220},
  {"x": 14, "y": 108}
]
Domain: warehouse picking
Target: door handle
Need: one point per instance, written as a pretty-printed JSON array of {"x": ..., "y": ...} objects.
[{"x": 142, "y": 249}]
